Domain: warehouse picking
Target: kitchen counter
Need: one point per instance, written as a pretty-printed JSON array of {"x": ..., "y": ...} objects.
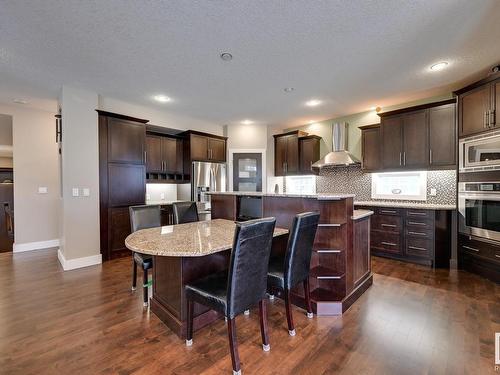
[
  {"x": 322, "y": 196},
  {"x": 360, "y": 214},
  {"x": 422, "y": 206},
  {"x": 162, "y": 203}
]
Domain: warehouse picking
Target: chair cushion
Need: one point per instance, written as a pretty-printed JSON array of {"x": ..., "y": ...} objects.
[
  {"x": 210, "y": 291},
  {"x": 143, "y": 260},
  {"x": 276, "y": 273}
]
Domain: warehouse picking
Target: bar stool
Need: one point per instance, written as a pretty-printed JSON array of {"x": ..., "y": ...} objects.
[
  {"x": 143, "y": 217},
  {"x": 185, "y": 212},
  {"x": 288, "y": 271},
  {"x": 243, "y": 285}
]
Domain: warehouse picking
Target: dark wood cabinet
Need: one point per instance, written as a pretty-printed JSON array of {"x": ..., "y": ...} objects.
[
  {"x": 479, "y": 256},
  {"x": 154, "y": 161},
  {"x": 164, "y": 158},
  {"x": 217, "y": 149},
  {"x": 205, "y": 147},
  {"x": 415, "y": 140},
  {"x": 309, "y": 148},
  {"x": 442, "y": 136},
  {"x": 392, "y": 145},
  {"x": 370, "y": 148},
  {"x": 122, "y": 174},
  {"x": 286, "y": 153},
  {"x": 477, "y": 106}
]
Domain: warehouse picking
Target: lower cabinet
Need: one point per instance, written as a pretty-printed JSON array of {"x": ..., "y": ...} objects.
[
  {"x": 414, "y": 235},
  {"x": 479, "y": 257}
]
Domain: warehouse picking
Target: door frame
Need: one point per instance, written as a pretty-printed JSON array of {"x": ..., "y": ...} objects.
[{"x": 233, "y": 151}]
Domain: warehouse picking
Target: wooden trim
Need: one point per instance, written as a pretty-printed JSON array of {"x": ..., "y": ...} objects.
[
  {"x": 299, "y": 133},
  {"x": 367, "y": 127},
  {"x": 163, "y": 131},
  {"x": 196, "y": 132},
  {"x": 479, "y": 83},
  {"x": 121, "y": 117},
  {"x": 311, "y": 136},
  {"x": 417, "y": 107}
]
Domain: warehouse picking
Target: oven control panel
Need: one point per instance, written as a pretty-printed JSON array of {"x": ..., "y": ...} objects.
[{"x": 487, "y": 187}]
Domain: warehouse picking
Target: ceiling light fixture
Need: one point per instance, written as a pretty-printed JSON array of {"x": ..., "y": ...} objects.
[
  {"x": 226, "y": 56},
  {"x": 288, "y": 89},
  {"x": 439, "y": 66},
  {"x": 161, "y": 98},
  {"x": 20, "y": 101},
  {"x": 247, "y": 122},
  {"x": 313, "y": 102}
]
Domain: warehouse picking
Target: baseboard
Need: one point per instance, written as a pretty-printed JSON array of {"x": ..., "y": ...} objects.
[
  {"x": 72, "y": 264},
  {"x": 29, "y": 246}
]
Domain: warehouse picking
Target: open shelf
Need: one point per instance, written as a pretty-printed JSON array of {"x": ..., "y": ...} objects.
[
  {"x": 325, "y": 273},
  {"x": 321, "y": 294},
  {"x": 166, "y": 178}
]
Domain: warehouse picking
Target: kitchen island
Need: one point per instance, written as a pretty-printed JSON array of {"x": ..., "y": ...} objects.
[{"x": 340, "y": 265}]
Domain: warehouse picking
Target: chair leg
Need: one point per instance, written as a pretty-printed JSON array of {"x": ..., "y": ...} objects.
[
  {"x": 308, "y": 298},
  {"x": 263, "y": 325},
  {"x": 134, "y": 273},
  {"x": 189, "y": 333},
  {"x": 233, "y": 346},
  {"x": 289, "y": 317},
  {"x": 145, "y": 287}
]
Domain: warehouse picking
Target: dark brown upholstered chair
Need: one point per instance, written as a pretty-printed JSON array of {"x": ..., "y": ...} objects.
[
  {"x": 185, "y": 212},
  {"x": 143, "y": 217},
  {"x": 288, "y": 271},
  {"x": 243, "y": 285}
]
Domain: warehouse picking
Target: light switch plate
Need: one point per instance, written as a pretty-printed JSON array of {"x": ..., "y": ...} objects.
[
  {"x": 162, "y": 196},
  {"x": 433, "y": 192},
  {"x": 42, "y": 190},
  {"x": 86, "y": 192},
  {"x": 75, "y": 192}
]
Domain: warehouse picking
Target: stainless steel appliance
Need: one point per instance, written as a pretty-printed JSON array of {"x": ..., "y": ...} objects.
[
  {"x": 206, "y": 177},
  {"x": 480, "y": 153},
  {"x": 479, "y": 208}
]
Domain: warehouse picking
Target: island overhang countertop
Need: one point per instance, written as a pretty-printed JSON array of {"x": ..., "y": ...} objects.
[{"x": 187, "y": 240}]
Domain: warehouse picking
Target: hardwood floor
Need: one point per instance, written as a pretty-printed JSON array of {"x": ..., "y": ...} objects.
[{"x": 413, "y": 320}]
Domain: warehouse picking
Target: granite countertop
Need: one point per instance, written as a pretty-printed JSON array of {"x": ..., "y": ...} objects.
[
  {"x": 360, "y": 214},
  {"x": 187, "y": 240},
  {"x": 162, "y": 203},
  {"x": 423, "y": 206},
  {"x": 322, "y": 196}
]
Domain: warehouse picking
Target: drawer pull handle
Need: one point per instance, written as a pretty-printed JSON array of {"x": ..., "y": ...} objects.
[
  {"x": 417, "y": 223},
  {"x": 417, "y": 233},
  {"x": 329, "y": 277},
  {"x": 470, "y": 248},
  {"x": 388, "y": 243},
  {"x": 329, "y": 225},
  {"x": 417, "y": 248},
  {"x": 497, "y": 256},
  {"x": 388, "y": 212},
  {"x": 328, "y": 251},
  {"x": 389, "y": 225},
  {"x": 417, "y": 213}
]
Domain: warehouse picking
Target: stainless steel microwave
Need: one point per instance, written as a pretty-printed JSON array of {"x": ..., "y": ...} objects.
[{"x": 480, "y": 153}]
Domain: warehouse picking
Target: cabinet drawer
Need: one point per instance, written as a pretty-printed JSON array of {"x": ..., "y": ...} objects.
[
  {"x": 389, "y": 211},
  {"x": 419, "y": 214},
  {"x": 387, "y": 223},
  {"x": 479, "y": 248},
  {"x": 386, "y": 242},
  {"x": 419, "y": 247},
  {"x": 418, "y": 224},
  {"x": 413, "y": 232}
]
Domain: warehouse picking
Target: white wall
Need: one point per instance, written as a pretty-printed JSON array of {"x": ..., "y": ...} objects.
[{"x": 35, "y": 164}]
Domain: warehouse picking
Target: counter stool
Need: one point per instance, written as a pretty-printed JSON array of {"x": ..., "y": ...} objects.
[
  {"x": 243, "y": 285},
  {"x": 143, "y": 217},
  {"x": 288, "y": 271},
  {"x": 185, "y": 212}
]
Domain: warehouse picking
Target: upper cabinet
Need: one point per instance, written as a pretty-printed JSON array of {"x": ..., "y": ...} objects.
[
  {"x": 205, "y": 147},
  {"x": 477, "y": 105},
  {"x": 421, "y": 137},
  {"x": 163, "y": 154},
  {"x": 294, "y": 153}
]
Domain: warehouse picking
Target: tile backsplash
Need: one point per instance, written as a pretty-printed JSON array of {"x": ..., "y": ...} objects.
[{"x": 353, "y": 180}]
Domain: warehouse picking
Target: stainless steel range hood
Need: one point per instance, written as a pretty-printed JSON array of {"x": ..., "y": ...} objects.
[{"x": 339, "y": 157}]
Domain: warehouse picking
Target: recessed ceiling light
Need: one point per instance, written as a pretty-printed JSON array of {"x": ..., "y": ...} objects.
[
  {"x": 161, "y": 98},
  {"x": 288, "y": 89},
  {"x": 247, "y": 122},
  {"x": 313, "y": 103},
  {"x": 226, "y": 56},
  {"x": 439, "y": 66},
  {"x": 20, "y": 101}
]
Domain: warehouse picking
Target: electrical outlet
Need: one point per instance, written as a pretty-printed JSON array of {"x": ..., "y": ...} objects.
[
  {"x": 86, "y": 192},
  {"x": 433, "y": 192},
  {"x": 162, "y": 196},
  {"x": 75, "y": 192},
  {"x": 42, "y": 190}
]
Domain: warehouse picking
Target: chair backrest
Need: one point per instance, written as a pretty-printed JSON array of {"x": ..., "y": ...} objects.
[
  {"x": 185, "y": 212},
  {"x": 299, "y": 248},
  {"x": 144, "y": 217},
  {"x": 247, "y": 277}
]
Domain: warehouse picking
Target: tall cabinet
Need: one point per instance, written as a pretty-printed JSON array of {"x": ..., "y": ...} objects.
[{"x": 122, "y": 173}]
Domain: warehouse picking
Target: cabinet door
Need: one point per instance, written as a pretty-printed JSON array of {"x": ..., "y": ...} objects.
[
  {"x": 415, "y": 140},
  {"x": 153, "y": 153},
  {"x": 442, "y": 136},
  {"x": 474, "y": 106},
  {"x": 217, "y": 149},
  {"x": 126, "y": 184},
  {"x": 179, "y": 168},
  {"x": 169, "y": 154},
  {"x": 309, "y": 154},
  {"x": 496, "y": 105},
  {"x": 292, "y": 154},
  {"x": 199, "y": 147},
  {"x": 392, "y": 132},
  {"x": 280, "y": 144},
  {"x": 118, "y": 230},
  {"x": 370, "y": 144},
  {"x": 126, "y": 141}
]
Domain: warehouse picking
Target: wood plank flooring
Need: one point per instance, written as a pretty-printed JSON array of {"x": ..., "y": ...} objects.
[{"x": 413, "y": 320}]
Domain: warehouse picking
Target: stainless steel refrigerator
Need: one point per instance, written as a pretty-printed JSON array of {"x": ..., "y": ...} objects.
[{"x": 206, "y": 177}]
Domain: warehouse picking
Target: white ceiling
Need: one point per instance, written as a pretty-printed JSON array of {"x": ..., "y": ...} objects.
[{"x": 350, "y": 54}]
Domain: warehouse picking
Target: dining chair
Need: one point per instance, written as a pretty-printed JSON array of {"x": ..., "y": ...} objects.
[
  {"x": 185, "y": 212},
  {"x": 233, "y": 291},
  {"x": 288, "y": 271},
  {"x": 143, "y": 217}
]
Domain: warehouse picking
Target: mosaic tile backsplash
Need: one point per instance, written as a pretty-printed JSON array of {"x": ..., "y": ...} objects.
[{"x": 353, "y": 180}]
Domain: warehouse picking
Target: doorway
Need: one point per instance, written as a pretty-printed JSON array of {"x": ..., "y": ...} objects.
[
  {"x": 6, "y": 185},
  {"x": 247, "y": 171}
]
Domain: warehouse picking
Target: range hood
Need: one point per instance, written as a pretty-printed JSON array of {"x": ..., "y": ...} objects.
[{"x": 339, "y": 157}]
